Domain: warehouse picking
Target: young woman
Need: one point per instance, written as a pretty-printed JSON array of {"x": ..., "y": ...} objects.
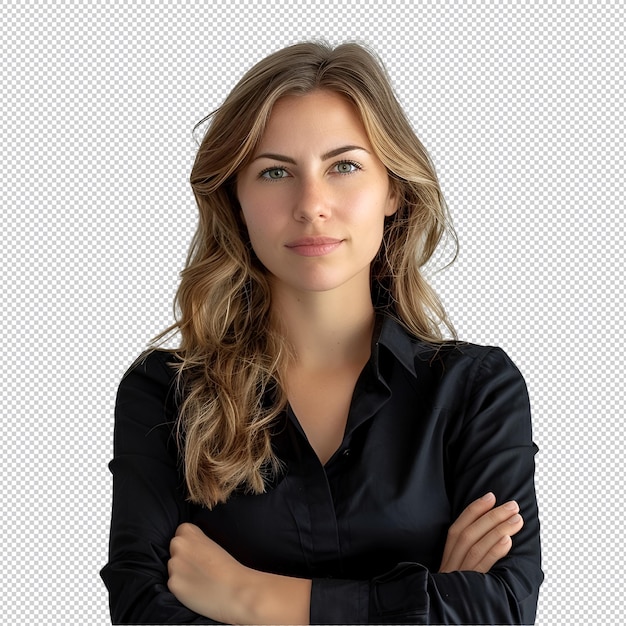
[{"x": 315, "y": 451}]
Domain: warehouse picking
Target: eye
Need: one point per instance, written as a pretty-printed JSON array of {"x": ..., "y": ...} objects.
[
  {"x": 274, "y": 173},
  {"x": 347, "y": 167}
]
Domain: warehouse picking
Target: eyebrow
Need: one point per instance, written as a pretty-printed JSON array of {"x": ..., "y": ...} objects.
[{"x": 327, "y": 155}]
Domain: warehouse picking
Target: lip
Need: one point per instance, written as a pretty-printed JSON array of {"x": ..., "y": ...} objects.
[{"x": 314, "y": 246}]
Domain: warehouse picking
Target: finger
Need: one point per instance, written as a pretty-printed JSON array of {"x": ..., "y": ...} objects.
[
  {"x": 497, "y": 552},
  {"x": 474, "y": 511},
  {"x": 483, "y": 555},
  {"x": 184, "y": 539},
  {"x": 470, "y": 514},
  {"x": 464, "y": 539},
  {"x": 185, "y": 529},
  {"x": 486, "y": 523},
  {"x": 175, "y": 544}
]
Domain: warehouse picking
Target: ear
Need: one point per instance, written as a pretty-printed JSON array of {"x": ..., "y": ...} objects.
[
  {"x": 393, "y": 199},
  {"x": 234, "y": 197}
]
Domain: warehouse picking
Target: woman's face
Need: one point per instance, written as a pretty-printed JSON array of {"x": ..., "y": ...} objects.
[{"x": 315, "y": 196}]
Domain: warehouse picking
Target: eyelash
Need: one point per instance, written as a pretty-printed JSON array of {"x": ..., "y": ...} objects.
[{"x": 262, "y": 176}]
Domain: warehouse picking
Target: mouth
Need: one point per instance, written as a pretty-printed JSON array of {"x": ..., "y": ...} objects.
[{"x": 314, "y": 246}]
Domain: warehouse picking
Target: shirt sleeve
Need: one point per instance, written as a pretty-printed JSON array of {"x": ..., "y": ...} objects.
[
  {"x": 148, "y": 502},
  {"x": 491, "y": 450}
]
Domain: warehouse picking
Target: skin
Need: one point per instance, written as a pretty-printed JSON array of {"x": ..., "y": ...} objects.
[{"x": 315, "y": 174}]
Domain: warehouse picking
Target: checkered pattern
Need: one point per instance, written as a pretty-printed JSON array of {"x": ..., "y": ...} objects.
[{"x": 521, "y": 105}]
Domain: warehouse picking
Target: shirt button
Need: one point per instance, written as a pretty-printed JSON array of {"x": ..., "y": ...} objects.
[{"x": 346, "y": 452}]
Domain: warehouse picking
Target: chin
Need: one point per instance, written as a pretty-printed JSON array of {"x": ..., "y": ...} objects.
[{"x": 326, "y": 284}]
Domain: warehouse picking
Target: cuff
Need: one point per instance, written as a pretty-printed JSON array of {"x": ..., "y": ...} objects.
[
  {"x": 336, "y": 601},
  {"x": 397, "y": 597},
  {"x": 400, "y": 596}
]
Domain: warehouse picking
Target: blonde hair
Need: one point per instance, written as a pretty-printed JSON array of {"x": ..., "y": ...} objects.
[{"x": 231, "y": 356}]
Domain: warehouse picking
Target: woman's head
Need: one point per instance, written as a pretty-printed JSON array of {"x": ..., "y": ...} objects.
[{"x": 411, "y": 234}]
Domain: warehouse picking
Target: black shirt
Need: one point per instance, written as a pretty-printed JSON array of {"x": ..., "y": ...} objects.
[{"x": 430, "y": 429}]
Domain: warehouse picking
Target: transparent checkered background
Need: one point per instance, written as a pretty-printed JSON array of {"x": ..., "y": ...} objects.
[{"x": 522, "y": 107}]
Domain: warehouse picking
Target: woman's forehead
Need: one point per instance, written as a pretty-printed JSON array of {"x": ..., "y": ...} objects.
[{"x": 295, "y": 119}]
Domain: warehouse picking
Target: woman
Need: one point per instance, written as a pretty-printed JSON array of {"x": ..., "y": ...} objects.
[{"x": 315, "y": 450}]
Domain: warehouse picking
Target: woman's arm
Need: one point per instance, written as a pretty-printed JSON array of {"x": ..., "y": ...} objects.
[
  {"x": 208, "y": 580},
  {"x": 148, "y": 502}
]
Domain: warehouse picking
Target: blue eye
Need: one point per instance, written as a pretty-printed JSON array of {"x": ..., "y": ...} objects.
[{"x": 274, "y": 173}]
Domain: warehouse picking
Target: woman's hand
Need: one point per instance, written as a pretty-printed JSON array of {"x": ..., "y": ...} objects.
[
  {"x": 209, "y": 581},
  {"x": 205, "y": 578},
  {"x": 481, "y": 536}
]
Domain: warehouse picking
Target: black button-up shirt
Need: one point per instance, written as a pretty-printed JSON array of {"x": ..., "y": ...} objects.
[{"x": 430, "y": 429}]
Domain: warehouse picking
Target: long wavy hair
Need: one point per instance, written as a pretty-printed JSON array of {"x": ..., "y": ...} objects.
[{"x": 232, "y": 357}]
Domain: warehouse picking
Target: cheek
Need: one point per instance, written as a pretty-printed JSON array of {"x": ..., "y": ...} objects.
[
  {"x": 253, "y": 232},
  {"x": 250, "y": 212},
  {"x": 258, "y": 208},
  {"x": 262, "y": 236},
  {"x": 368, "y": 210}
]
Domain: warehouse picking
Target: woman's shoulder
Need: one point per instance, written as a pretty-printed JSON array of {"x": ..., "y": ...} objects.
[
  {"x": 398, "y": 339},
  {"x": 458, "y": 350},
  {"x": 481, "y": 360},
  {"x": 466, "y": 379},
  {"x": 444, "y": 358},
  {"x": 146, "y": 403},
  {"x": 152, "y": 375},
  {"x": 156, "y": 364}
]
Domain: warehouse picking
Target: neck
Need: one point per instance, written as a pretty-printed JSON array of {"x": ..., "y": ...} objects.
[{"x": 326, "y": 329}]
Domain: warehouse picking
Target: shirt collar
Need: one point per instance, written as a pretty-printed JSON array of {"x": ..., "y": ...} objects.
[{"x": 389, "y": 333}]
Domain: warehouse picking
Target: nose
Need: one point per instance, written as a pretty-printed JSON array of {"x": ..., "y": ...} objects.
[{"x": 312, "y": 202}]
